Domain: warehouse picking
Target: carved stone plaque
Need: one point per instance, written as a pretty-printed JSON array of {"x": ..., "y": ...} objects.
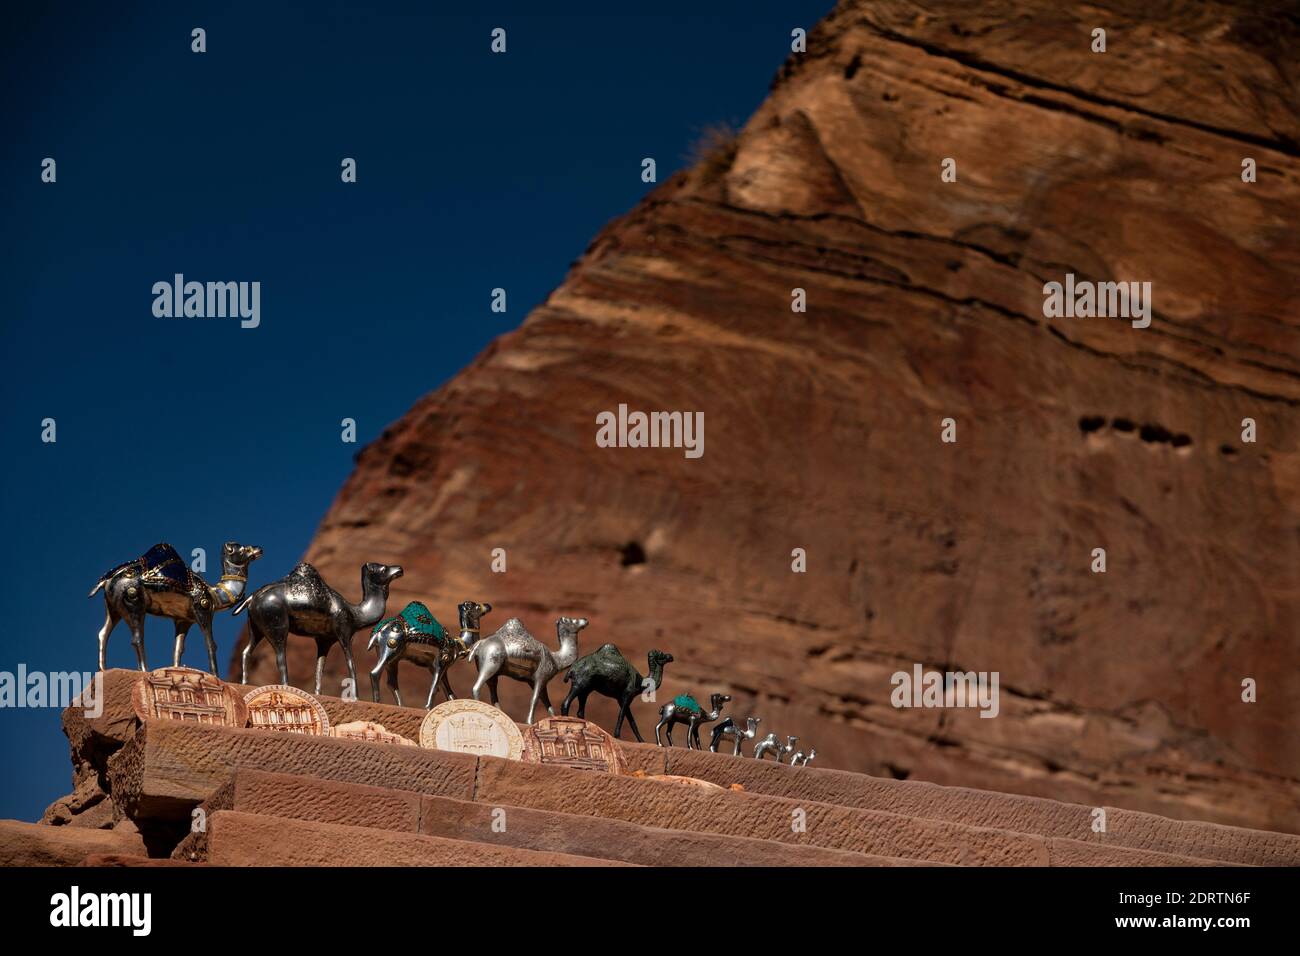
[
  {"x": 572, "y": 742},
  {"x": 183, "y": 693},
  {"x": 369, "y": 731},
  {"x": 287, "y": 709},
  {"x": 471, "y": 727}
]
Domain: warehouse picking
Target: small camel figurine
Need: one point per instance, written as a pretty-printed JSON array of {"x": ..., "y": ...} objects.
[
  {"x": 685, "y": 709},
  {"x": 728, "y": 727},
  {"x": 801, "y": 759},
  {"x": 302, "y": 603},
  {"x": 770, "y": 742},
  {"x": 160, "y": 583},
  {"x": 514, "y": 652},
  {"x": 416, "y": 635},
  {"x": 607, "y": 672}
]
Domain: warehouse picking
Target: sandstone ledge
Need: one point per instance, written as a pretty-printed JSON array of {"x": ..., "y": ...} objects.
[{"x": 195, "y": 775}]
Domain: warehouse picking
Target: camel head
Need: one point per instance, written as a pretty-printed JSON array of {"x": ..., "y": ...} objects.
[
  {"x": 389, "y": 637},
  {"x": 570, "y": 626},
  {"x": 717, "y": 700},
  {"x": 751, "y": 725},
  {"x": 471, "y": 612},
  {"x": 380, "y": 574},
  {"x": 790, "y": 743},
  {"x": 239, "y": 555},
  {"x": 658, "y": 657}
]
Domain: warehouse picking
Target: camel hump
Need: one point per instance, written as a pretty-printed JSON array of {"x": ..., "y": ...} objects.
[
  {"x": 305, "y": 570},
  {"x": 422, "y": 624},
  {"x": 513, "y": 627},
  {"x": 687, "y": 702}
]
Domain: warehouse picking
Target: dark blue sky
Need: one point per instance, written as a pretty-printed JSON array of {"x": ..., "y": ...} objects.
[{"x": 474, "y": 171}]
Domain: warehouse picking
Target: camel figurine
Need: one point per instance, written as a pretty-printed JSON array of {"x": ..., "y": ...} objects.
[
  {"x": 416, "y": 635},
  {"x": 801, "y": 759},
  {"x": 514, "y": 652},
  {"x": 772, "y": 743},
  {"x": 685, "y": 709},
  {"x": 161, "y": 583},
  {"x": 728, "y": 727},
  {"x": 607, "y": 672},
  {"x": 302, "y": 603}
]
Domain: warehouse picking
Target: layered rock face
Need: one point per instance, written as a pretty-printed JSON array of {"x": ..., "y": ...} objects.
[{"x": 823, "y": 428}]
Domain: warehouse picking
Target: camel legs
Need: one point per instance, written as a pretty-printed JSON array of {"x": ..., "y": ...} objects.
[
  {"x": 280, "y": 662},
  {"x": 568, "y": 700},
  {"x": 539, "y": 690},
  {"x": 392, "y": 683},
  {"x": 204, "y": 620},
  {"x": 269, "y": 624},
  {"x": 110, "y": 621},
  {"x": 735, "y": 750},
  {"x": 446, "y": 684},
  {"x": 182, "y": 628},
  {"x": 344, "y": 636},
  {"x": 492, "y": 687},
  {"x": 716, "y": 737},
  {"x": 668, "y": 733},
  {"x": 322, "y": 649},
  {"x": 478, "y": 683},
  {"x": 436, "y": 670},
  {"x": 135, "y": 621},
  {"x": 693, "y": 735},
  {"x": 253, "y": 637},
  {"x": 631, "y": 722}
]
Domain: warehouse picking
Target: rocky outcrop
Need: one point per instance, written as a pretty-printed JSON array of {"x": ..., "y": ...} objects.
[{"x": 823, "y": 428}]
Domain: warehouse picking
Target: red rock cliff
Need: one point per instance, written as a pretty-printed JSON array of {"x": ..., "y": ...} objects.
[{"x": 925, "y": 302}]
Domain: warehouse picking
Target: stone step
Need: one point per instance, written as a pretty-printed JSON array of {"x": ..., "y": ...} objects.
[
  {"x": 329, "y": 801},
  {"x": 1131, "y": 829},
  {"x": 765, "y": 817},
  {"x": 36, "y": 844},
  {"x": 250, "y": 839},
  {"x": 169, "y": 767},
  {"x": 1047, "y": 818}
]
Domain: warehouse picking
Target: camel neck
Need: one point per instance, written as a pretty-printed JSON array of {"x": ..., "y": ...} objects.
[
  {"x": 230, "y": 588},
  {"x": 374, "y": 598}
]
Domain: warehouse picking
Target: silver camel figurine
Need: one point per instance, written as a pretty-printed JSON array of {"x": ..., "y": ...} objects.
[
  {"x": 516, "y": 654},
  {"x": 685, "y": 709},
  {"x": 302, "y": 603},
  {"x": 415, "y": 635},
  {"x": 801, "y": 759},
  {"x": 772, "y": 743},
  {"x": 728, "y": 727},
  {"x": 161, "y": 583}
]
